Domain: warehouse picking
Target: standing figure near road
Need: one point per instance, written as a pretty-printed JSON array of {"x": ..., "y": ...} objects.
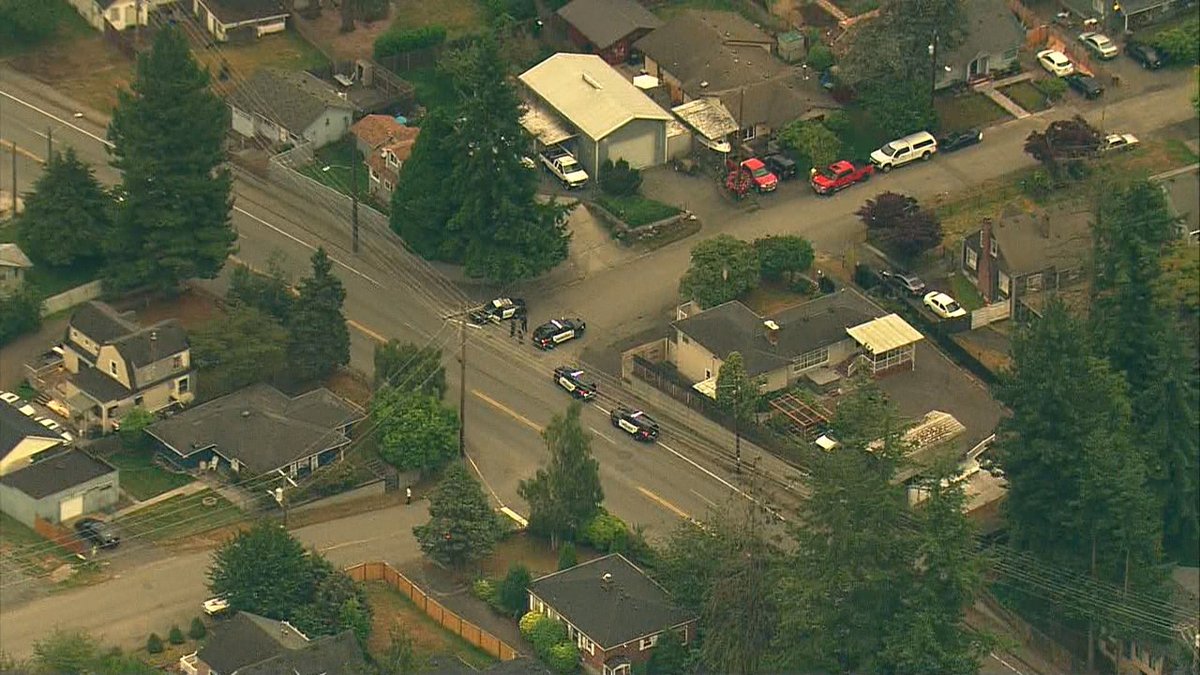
[
  {"x": 512, "y": 328},
  {"x": 408, "y": 495}
]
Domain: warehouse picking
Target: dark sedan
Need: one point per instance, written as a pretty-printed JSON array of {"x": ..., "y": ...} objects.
[
  {"x": 1144, "y": 54},
  {"x": 959, "y": 140},
  {"x": 1087, "y": 85}
]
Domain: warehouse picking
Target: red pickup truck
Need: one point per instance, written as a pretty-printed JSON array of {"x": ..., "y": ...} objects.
[{"x": 839, "y": 176}]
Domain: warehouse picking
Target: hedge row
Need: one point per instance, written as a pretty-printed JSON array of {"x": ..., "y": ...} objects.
[{"x": 401, "y": 41}]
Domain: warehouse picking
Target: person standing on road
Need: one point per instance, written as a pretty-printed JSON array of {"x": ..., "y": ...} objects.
[
  {"x": 408, "y": 495},
  {"x": 512, "y": 328},
  {"x": 524, "y": 322}
]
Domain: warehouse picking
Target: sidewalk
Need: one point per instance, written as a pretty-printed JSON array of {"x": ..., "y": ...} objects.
[{"x": 183, "y": 490}]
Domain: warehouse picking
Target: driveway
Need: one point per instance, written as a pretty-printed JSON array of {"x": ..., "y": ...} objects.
[{"x": 26, "y": 348}]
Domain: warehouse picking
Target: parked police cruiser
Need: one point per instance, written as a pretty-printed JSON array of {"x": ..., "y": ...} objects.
[
  {"x": 572, "y": 379},
  {"x": 500, "y": 309},
  {"x": 556, "y": 331},
  {"x": 635, "y": 423}
]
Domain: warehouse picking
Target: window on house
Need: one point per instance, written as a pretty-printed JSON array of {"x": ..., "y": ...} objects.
[
  {"x": 392, "y": 161},
  {"x": 183, "y": 384},
  {"x": 972, "y": 259},
  {"x": 387, "y": 185},
  {"x": 747, "y": 134},
  {"x": 995, "y": 249},
  {"x": 374, "y": 176},
  {"x": 112, "y": 412},
  {"x": 112, "y": 367},
  {"x": 811, "y": 359},
  {"x": 647, "y": 642},
  {"x": 177, "y": 362}
]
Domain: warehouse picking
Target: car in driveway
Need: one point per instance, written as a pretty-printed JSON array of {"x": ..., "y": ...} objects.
[
  {"x": 959, "y": 139},
  {"x": 557, "y": 331},
  {"x": 762, "y": 177},
  {"x": 839, "y": 176},
  {"x": 943, "y": 305},
  {"x": 1146, "y": 55},
  {"x": 905, "y": 282},
  {"x": 635, "y": 423},
  {"x": 1087, "y": 85},
  {"x": 1100, "y": 45},
  {"x": 783, "y": 167},
  {"x": 575, "y": 382},
  {"x": 1118, "y": 142},
  {"x": 97, "y": 532},
  {"x": 1055, "y": 62}
]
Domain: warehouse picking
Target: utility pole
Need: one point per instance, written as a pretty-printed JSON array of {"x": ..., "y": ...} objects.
[
  {"x": 49, "y": 144},
  {"x": 14, "y": 178},
  {"x": 462, "y": 385},
  {"x": 354, "y": 204},
  {"x": 737, "y": 429}
]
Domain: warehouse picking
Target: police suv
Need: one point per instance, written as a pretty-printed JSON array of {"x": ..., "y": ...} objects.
[
  {"x": 500, "y": 309},
  {"x": 635, "y": 423},
  {"x": 554, "y": 332},
  {"x": 571, "y": 379}
]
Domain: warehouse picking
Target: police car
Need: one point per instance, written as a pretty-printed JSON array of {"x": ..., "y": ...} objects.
[
  {"x": 571, "y": 379},
  {"x": 500, "y": 309},
  {"x": 636, "y": 423},
  {"x": 554, "y": 332}
]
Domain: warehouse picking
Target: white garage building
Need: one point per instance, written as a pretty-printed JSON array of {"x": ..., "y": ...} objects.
[{"x": 582, "y": 102}]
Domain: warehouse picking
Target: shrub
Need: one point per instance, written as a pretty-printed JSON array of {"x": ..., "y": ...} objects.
[
  {"x": 512, "y": 594},
  {"x": 483, "y": 589},
  {"x": 563, "y": 658},
  {"x": 176, "y": 636},
  {"x": 396, "y": 41},
  {"x": 605, "y": 532},
  {"x": 521, "y": 10},
  {"x": 20, "y": 313},
  {"x": 1053, "y": 88},
  {"x": 619, "y": 179},
  {"x": 154, "y": 644},
  {"x": 838, "y": 122},
  {"x": 820, "y": 58},
  {"x": 545, "y": 635},
  {"x": 826, "y": 285},
  {"x": 197, "y": 630},
  {"x": 527, "y": 622},
  {"x": 1038, "y": 185},
  {"x": 567, "y": 557},
  {"x": 783, "y": 257},
  {"x": 1181, "y": 44},
  {"x": 865, "y": 277}
]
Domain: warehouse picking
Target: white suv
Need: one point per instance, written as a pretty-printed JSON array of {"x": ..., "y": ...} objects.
[{"x": 901, "y": 151}]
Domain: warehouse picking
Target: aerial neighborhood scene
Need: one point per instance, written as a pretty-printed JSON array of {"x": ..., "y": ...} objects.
[{"x": 619, "y": 337}]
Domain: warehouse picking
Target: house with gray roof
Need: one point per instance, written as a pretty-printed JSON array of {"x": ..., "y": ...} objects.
[
  {"x": 59, "y": 486},
  {"x": 607, "y": 28},
  {"x": 614, "y": 612},
  {"x": 14, "y": 264},
  {"x": 259, "y": 429},
  {"x": 240, "y": 20},
  {"x": 994, "y": 37},
  {"x": 290, "y": 107},
  {"x": 249, "y": 644},
  {"x": 114, "y": 365}
]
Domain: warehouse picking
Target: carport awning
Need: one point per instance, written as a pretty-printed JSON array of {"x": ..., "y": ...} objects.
[
  {"x": 884, "y": 334},
  {"x": 545, "y": 126}
]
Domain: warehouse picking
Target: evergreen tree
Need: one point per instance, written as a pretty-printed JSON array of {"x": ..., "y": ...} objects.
[
  {"x": 424, "y": 199},
  {"x": 168, "y": 135},
  {"x": 263, "y": 570},
  {"x": 462, "y": 527},
  {"x": 565, "y": 494},
  {"x": 318, "y": 341},
  {"x": 409, "y": 367},
  {"x": 66, "y": 214}
]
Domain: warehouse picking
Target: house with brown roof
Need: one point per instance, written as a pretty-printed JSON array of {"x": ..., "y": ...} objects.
[
  {"x": 386, "y": 144},
  {"x": 607, "y": 28},
  {"x": 289, "y": 107},
  {"x": 249, "y": 644},
  {"x": 240, "y": 20},
  {"x": 114, "y": 365}
]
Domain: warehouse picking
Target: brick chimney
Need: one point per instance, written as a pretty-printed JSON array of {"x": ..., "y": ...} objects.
[
  {"x": 984, "y": 267},
  {"x": 771, "y": 330}
]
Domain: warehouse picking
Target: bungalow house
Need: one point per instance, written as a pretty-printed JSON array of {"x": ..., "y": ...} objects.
[
  {"x": 249, "y": 644},
  {"x": 117, "y": 14},
  {"x": 614, "y": 612},
  {"x": 386, "y": 144},
  {"x": 607, "y": 28},
  {"x": 812, "y": 341},
  {"x": 1126, "y": 15},
  {"x": 1030, "y": 254},
  {"x": 290, "y": 107},
  {"x": 14, "y": 264},
  {"x": 258, "y": 430},
  {"x": 240, "y": 20},
  {"x": 994, "y": 36},
  {"x": 114, "y": 365},
  {"x": 720, "y": 54},
  {"x": 58, "y": 487}
]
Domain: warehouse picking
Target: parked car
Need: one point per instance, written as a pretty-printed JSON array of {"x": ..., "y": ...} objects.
[
  {"x": 557, "y": 331},
  {"x": 500, "y": 309},
  {"x": 635, "y": 423},
  {"x": 783, "y": 167},
  {"x": 562, "y": 164},
  {"x": 904, "y": 282},
  {"x": 572, "y": 379},
  {"x": 1115, "y": 142},
  {"x": 97, "y": 532},
  {"x": 943, "y": 305},
  {"x": 760, "y": 175},
  {"x": 839, "y": 176},
  {"x": 901, "y": 151},
  {"x": 55, "y": 427},
  {"x": 1055, "y": 62},
  {"x": 216, "y": 607},
  {"x": 959, "y": 140},
  {"x": 1100, "y": 45},
  {"x": 1087, "y": 85},
  {"x": 1148, "y": 56}
]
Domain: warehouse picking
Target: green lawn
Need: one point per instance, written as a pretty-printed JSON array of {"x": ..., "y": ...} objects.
[
  {"x": 68, "y": 25},
  {"x": 967, "y": 111},
  {"x": 141, "y": 477},
  {"x": 182, "y": 516},
  {"x": 433, "y": 89},
  {"x": 637, "y": 210},
  {"x": 962, "y": 290},
  {"x": 28, "y": 548},
  {"x": 1026, "y": 95},
  {"x": 339, "y": 157}
]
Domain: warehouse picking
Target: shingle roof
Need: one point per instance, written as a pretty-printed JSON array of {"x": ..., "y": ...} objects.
[
  {"x": 16, "y": 426},
  {"x": 11, "y": 255},
  {"x": 777, "y": 101},
  {"x": 260, "y": 427},
  {"x": 99, "y": 386},
  {"x": 326, "y": 655},
  {"x": 700, "y": 48},
  {"x": 590, "y": 93},
  {"x": 54, "y": 474},
  {"x": 295, "y": 99},
  {"x": 604, "y": 22},
  {"x": 375, "y": 130},
  {"x": 1032, "y": 242},
  {"x": 100, "y": 322},
  {"x": 627, "y": 606},
  {"x": 991, "y": 29},
  {"x": 238, "y": 11},
  {"x": 152, "y": 343},
  {"x": 733, "y": 327},
  {"x": 250, "y": 644}
]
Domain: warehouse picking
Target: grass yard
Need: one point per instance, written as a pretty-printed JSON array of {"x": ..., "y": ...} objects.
[
  {"x": 967, "y": 111},
  {"x": 1026, "y": 95},
  {"x": 965, "y": 292},
  {"x": 458, "y": 17},
  {"x": 339, "y": 157},
  {"x": 180, "y": 517},
  {"x": 28, "y": 550},
  {"x": 286, "y": 51},
  {"x": 964, "y": 211},
  {"x": 393, "y": 611},
  {"x": 141, "y": 477},
  {"x": 637, "y": 210},
  {"x": 432, "y": 88},
  {"x": 81, "y": 65},
  {"x": 68, "y": 26}
]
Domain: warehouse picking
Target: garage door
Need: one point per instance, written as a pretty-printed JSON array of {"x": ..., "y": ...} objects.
[
  {"x": 636, "y": 143},
  {"x": 69, "y": 508}
]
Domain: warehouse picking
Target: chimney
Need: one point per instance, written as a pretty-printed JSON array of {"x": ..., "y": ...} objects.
[
  {"x": 771, "y": 330},
  {"x": 985, "y": 264}
]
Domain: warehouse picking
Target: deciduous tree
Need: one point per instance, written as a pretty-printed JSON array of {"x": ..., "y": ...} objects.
[
  {"x": 722, "y": 269},
  {"x": 239, "y": 349},
  {"x": 1063, "y": 145},
  {"x": 168, "y": 135},
  {"x": 263, "y": 570},
  {"x": 462, "y": 527},
  {"x": 416, "y": 432},
  {"x": 783, "y": 257},
  {"x": 20, "y": 313},
  {"x": 565, "y": 494},
  {"x": 410, "y": 367},
  {"x": 816, "y": 144},
  {"x": 897, "y": 222},
  {"x": 318, "y": 340},
  {"x": 737, "y": 392},
  {"x": 66, "y": 215}
]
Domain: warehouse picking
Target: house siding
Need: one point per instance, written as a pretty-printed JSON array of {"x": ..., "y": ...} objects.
[
  {"x": 162, "y": 368},
  {"x": 692, "y": 360},
  {"x": 89, "y": 345},
  {"x": 642, "y": 143},
  {"x": 112, "y": 364},
  {"x": 99, "y": 494},
  {"x": 329, "y": 127}
]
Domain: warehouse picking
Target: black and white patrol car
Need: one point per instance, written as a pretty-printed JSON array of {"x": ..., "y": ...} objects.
[
  {"x": 500, "y": 309},
  {"x": 556, "y": 331},
  {"x": 635, "y": 423},
  {"x": 572, "y": 379}
]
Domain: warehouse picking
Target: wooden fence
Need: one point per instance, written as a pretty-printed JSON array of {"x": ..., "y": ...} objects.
[
  {"x": 381, "y": 571},
  {"x": 990, "y": 314}
]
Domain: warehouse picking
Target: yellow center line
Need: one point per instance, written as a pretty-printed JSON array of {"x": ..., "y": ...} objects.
[
  {"x": 13, "y": 147},
  {"x": 507, "y": 410},
  {"x": 664, "y": 503}
]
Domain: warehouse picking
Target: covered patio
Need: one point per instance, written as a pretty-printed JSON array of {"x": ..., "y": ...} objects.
[{"x": 886, "y": 343}]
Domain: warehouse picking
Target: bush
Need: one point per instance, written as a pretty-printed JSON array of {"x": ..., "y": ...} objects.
[
  {"x": 838, "y": 122},
  {"x": 783, "y": 257},
  {"x": 20, "y": 313},
  {"x": 545, "y": 635},
  {"x": 512, "y": 594},
  {"x": 826, "y": 285},
  {"x": 527, "y": 623},
  {"x": 865, "y": 277},
  {"x": 820, "y": 58},
  {"x": 1053, "y": 88},
  {"x": 566, "y": 556},
  {"x": 483, "y": 589},
  {"x": 176, "y": 636},
  {"x": 1180, "y": 44},
  {"x": 197, "y": 630},
  {"x": 396, "y": 41},
  {"x": 619, "y": 179},
  {"x": 154, "y": 644},
  {"x": 605, "y": 532},
  {"x": 1038, "y": 185},
  {"x": 563, "y": 658}
]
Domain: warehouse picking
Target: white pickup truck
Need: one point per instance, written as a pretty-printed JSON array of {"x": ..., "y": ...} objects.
[{"x": 564, "y": 166}]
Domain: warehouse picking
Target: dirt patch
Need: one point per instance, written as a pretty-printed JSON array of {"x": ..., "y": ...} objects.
[
  {"x": 395, "y": 612},
  {"x": 191, "y": 308},
  {"x": 989, "y": 345},
  {"x": 351, "y": 386},
  {"x": 286, "y": 51},
  {"x": 85, "y": 68},
  {"x": 458, "y": 17}
]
